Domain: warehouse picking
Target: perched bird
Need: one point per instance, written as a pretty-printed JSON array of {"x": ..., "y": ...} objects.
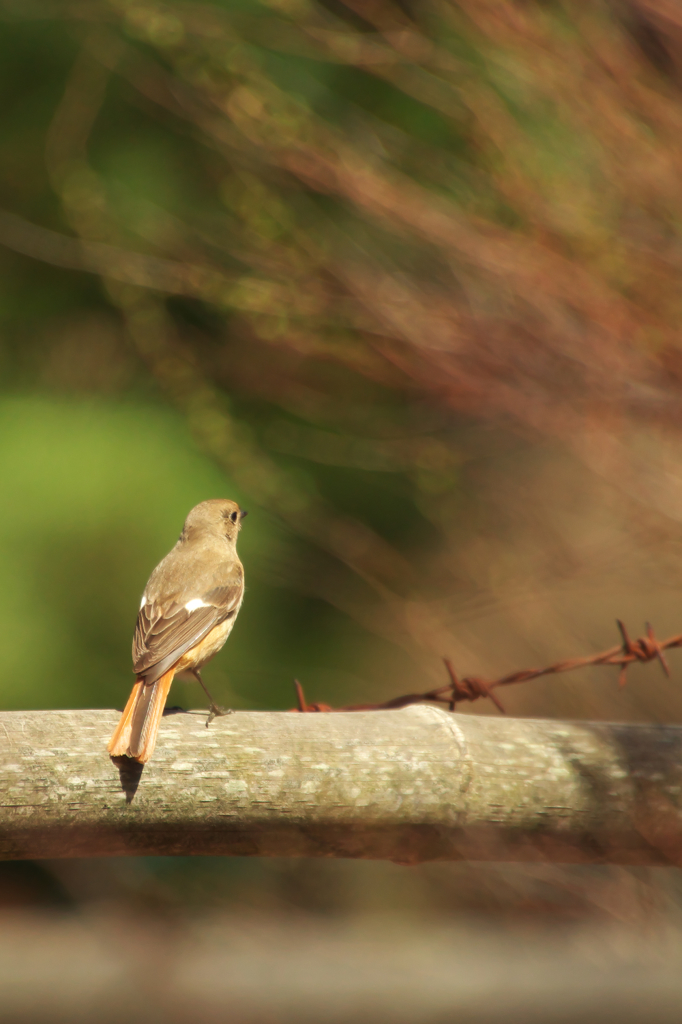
[{"x": 187, "y": 612}]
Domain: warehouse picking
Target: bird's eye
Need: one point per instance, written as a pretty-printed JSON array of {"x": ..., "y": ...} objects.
[{"x": 233, "y": 517}]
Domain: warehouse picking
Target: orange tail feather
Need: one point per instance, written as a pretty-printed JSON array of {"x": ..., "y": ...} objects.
[
  {"x": 135, "y": 735},
  {"x": 147, "y": 717},
  {"x": 118, "y": 744}
]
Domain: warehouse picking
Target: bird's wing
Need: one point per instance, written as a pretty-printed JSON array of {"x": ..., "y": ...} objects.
[{"x": 165, "y": 630}]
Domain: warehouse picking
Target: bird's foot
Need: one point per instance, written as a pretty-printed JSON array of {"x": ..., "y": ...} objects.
[{"x": 216, "y": 712}]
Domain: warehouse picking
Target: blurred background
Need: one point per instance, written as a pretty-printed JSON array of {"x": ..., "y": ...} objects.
[{"x": 404, "y": 279}]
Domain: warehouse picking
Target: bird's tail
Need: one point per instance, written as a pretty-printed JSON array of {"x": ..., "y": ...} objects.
[{"x": 135, "y": 734}]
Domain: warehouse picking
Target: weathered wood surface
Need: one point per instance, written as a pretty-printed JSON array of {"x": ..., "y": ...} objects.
[{"x": 409, "y": 785}]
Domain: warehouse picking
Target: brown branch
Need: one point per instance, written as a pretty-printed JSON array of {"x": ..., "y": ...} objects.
[
  {"x": 470, "y": 688},
  {"x": 414, "y": 785}
]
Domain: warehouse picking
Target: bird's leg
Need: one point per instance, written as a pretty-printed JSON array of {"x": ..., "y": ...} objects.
[{"x": 216, "y": 712}]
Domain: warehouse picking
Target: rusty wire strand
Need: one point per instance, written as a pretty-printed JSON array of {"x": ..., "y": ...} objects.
[{"x": 471, "y": 688}]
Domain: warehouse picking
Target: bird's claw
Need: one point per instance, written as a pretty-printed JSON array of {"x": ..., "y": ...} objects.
[{"x": 217, "y": 712}]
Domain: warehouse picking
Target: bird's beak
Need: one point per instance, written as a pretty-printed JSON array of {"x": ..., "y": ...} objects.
[{"x": 243, "y": 512}]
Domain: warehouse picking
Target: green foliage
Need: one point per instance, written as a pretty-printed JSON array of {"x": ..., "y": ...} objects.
[
  {"x": 95, "y": 493},
  {"x": 299, "y": 253}
]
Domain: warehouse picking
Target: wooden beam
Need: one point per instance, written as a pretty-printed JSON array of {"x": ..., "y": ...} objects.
[{"x": 410, "y": 785}]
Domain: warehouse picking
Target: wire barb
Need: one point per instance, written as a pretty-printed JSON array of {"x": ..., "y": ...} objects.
[{"x": 471, "y": 688}]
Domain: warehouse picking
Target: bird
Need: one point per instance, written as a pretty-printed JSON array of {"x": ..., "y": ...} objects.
[{"x": 187, "y": 612}]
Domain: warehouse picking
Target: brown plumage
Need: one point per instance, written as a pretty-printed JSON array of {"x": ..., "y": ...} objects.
[{"x": 187, "y": 612}]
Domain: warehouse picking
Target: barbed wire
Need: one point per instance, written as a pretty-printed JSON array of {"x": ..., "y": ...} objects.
[{"x": 471, "y": 688}]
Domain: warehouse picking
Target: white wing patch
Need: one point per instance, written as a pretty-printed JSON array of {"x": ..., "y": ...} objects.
[
  {"x": 195, "y": 603},
  {"x": 143, "y": 601}
]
